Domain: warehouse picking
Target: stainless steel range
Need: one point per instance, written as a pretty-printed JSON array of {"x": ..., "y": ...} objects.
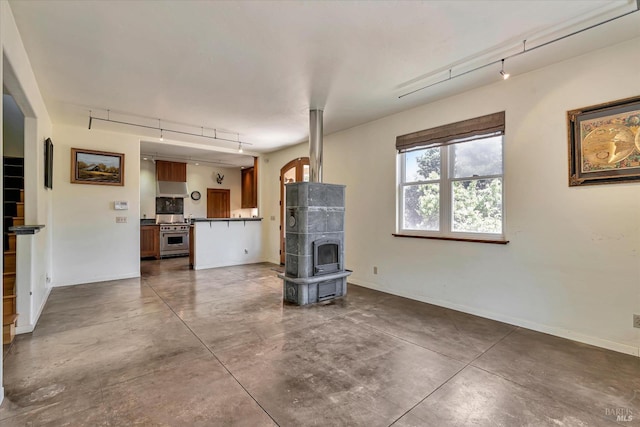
[{"x": 174, "y": 235}]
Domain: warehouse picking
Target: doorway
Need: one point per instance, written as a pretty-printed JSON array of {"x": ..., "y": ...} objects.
[
  {"x": 295, "y": 171},
  {"x": 218, "y": 203}
]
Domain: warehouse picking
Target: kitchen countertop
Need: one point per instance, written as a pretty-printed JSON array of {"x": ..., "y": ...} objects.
[
  {"x": 225, "y": 219},
  {"x": 151, "y": 221}
]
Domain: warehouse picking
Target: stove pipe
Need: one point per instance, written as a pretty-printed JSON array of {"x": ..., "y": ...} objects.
[{"x": 315, "y": 145}]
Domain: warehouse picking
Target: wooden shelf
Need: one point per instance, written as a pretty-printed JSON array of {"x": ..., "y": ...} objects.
[{"x": 8, "y": 319}]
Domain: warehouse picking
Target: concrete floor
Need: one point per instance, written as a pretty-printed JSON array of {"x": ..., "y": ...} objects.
[{"x": 217, "y": 347}]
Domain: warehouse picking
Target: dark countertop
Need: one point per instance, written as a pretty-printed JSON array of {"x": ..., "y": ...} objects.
[
  {"x": 26, "y": 229},
  {"x": 225, "y": 219},
  {"x": 148, "y": 221}
]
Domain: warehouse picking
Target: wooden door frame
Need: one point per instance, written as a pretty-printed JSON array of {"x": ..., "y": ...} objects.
[
  {"x": 300, "y": 162},
  {"x": 223, "y": 191}
]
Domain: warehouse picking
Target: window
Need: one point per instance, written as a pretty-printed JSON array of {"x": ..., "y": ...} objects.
[{"x": 451, "y": 180}]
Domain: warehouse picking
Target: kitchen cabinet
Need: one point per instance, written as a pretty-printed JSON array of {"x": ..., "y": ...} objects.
[
  {"x": 150, "y": 241},
  {"x": 171, "y": 171},
  {"x": 249, "y": 186}
]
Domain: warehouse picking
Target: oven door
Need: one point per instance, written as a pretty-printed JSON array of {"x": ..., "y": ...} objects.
[{"x": 174, "y": 243}]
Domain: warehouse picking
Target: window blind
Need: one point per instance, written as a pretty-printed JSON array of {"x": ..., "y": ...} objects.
[{"x": 476, "y": 128}]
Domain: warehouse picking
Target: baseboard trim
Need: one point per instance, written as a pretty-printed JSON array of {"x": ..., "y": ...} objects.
[
  {"x": 26, "y": 329},
  {"x": 75, "y": 282},
  {"x": 208, "y": 266},
  {"x": 547, "y": 329}
]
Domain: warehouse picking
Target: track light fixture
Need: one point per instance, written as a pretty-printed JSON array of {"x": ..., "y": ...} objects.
[
  {"x": 522, "y": 52},
  {"x": 174, "y": 131},
  {"x": 504, "y": 75}
]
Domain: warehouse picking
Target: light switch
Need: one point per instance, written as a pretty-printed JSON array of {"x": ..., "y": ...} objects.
[{"x": 121, "y": 219}]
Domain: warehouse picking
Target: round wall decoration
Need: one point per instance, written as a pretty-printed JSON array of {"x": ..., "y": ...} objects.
[{"x": 195, "y": 195}]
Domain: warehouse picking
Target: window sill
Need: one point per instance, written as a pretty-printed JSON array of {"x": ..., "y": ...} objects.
[{"x": 455, "y": 239}]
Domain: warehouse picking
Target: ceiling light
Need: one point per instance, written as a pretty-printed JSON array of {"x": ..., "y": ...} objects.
[
  {"x": 504, "y": 75},
  {"x": 197, "y": 164},
  {"x": 524, "y": 50},
  {"x": 144, "y": 158},
  {"x": 169, "y": 129}
]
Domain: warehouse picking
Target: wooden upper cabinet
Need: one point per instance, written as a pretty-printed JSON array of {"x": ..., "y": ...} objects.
[
  {"x": 171, "y": 171},
  {"x": 249, "y": 186}
]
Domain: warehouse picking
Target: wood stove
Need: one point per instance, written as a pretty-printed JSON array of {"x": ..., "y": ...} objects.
[{"x": 314, "y": 243}]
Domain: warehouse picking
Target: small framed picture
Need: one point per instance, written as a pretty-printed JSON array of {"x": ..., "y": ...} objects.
[
  {"x": 96, "y": 167},
  {"x": 48, "y": 163},
  {"x": 604, "y": 143}
]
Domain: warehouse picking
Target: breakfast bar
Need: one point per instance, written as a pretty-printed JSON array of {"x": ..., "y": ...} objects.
[{"x": 221, "y": 242}]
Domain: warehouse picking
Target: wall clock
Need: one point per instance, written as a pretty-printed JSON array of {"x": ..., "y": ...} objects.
[{"x": 195, "y": 195}]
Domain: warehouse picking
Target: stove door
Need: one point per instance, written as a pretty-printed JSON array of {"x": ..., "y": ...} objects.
[{"x": 174, "y": 243}]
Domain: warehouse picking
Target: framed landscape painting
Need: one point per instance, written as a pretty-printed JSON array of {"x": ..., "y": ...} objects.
[
  {"x": 96, "y": 167},
  {"x": 604, "y": 143}
]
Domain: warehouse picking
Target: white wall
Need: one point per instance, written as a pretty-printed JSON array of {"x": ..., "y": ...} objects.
[
  {"x": 572, "y": 267},
  {"x": 199, "y": 178},
  {"x": 17, "y": 76},
  {"x": 89, "y": 246},
  {"x": 147, "y": 189}
]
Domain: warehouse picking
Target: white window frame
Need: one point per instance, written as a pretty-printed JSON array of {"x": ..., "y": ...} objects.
[{"x": 446, "y": 198}]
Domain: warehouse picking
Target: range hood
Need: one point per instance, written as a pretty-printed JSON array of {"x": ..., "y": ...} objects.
[{"x": 172, "y": 189}]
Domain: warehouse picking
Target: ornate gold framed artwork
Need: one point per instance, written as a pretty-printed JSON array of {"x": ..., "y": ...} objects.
[
  {"x": 96, "y": 167},
  {"x": 604, "y": 143}
]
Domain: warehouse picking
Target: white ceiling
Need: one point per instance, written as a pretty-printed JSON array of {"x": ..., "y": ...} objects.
[
  {"x": 187, "y": 153},
  {"x": 255, "y": 68}
]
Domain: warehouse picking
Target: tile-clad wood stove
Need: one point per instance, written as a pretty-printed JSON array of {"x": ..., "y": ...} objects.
[{"x": 314, "y": 243}]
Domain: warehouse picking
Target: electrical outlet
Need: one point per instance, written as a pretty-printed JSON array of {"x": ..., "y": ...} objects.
[
  {"x": 375, "y": 269},
  {"x": 636, "y": 320},
  {"x": 121, "y": 219}
]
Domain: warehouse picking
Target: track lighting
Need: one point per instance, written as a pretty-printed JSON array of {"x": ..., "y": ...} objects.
[
  {"x": 524, "y": 50},
  {"x": 504, "y": 75},
  {"x": 173, "y": 131}
]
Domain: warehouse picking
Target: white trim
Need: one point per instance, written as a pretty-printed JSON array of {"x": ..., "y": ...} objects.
[
  {"x": 547, "y": 329},
  {"x": 98, "y": 279},
  {"x": 446, "y": 197},
  {"x": 25, "y": 329},
  {"x": 1, "y": 394}
]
